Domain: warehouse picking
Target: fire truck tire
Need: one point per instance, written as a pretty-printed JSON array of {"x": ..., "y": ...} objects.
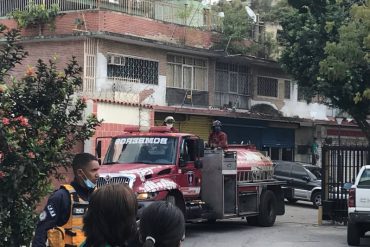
[
  {"x": 267, "y": 214},
  {"x": 171, "y": 199},
  {"x": 252, "y": 220},
  {"x": 175, "y": 200}
]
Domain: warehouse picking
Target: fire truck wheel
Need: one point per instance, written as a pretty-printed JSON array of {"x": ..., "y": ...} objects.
[
  {"x": 175, "y": 199},
  {"x": 171, "y": 199},
  {"x": 252, "y": 220},
  {"x": 267, "y": 214}
]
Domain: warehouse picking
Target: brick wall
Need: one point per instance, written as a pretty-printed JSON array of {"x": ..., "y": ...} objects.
[
  {"x": 116, "y": 22},
  {"x": 62, "y": 51},
  {"x": 120, "y": 23}
]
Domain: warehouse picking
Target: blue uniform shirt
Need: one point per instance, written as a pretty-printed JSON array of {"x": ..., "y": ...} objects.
[{"x": 57, "y": 212}]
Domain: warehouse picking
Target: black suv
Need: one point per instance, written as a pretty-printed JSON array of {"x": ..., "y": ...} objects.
[{"x": 302, "y": 183}]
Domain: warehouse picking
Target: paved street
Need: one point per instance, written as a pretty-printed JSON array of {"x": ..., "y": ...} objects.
[{"x": 298, "y": 227}]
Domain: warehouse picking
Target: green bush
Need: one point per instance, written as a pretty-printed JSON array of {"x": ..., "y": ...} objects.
[{"x": 41, "y": 119}]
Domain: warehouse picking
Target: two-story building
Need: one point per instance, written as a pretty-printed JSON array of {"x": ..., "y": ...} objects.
[{"x": 143, "y": 60}]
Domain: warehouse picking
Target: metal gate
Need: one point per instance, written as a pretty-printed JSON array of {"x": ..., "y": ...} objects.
[{"x": 340, "y": 164}]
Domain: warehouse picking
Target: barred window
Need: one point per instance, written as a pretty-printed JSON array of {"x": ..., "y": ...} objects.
[
  {"x": 231, "y": 78},
  {"x": 267, "y": 86},
  {"x": 133, "y": 69},
  {"x": 287, "y": 89},
  {"x": 187, "y": 72}
]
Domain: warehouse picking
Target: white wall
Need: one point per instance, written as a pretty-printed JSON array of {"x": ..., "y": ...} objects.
[
  {"x": 314, "y": 111},
  {"x": 129, "y": 91},
  {"x": 123, "y": 114}
]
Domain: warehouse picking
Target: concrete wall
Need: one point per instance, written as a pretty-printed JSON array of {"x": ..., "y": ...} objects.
[{"x": 289, "y": 107}]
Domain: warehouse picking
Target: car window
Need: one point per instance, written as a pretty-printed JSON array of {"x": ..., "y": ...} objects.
[
  {"x": 298, "y": 172},
  {"x": 365, "y": 178},
  {"x": 282, "y": 169}
]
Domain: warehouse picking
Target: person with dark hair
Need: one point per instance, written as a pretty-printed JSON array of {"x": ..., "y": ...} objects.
[
  {"x": 61, "y": 221},
  {"x": 162, "y": 224},
  {"x": 217, "y": 138},
  {"x": 111, "y": 217}
]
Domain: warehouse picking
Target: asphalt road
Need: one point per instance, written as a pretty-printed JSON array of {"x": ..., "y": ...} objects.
[{"x": 298, "y": 227}]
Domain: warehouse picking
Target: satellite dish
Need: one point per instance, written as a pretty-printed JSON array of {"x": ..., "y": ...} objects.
[{"x": 251, "y": 13}]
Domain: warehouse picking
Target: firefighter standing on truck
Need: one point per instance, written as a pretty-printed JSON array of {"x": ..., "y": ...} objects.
[
  {"x": 169, "y": 122},
  {"x": 61, "y": 220},
  {"x": 217, "y": 138}
]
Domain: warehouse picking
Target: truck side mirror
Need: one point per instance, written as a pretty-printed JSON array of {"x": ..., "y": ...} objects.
[
  {"x": 347, "y": 186},
  {"x": 98, "y": 151}
]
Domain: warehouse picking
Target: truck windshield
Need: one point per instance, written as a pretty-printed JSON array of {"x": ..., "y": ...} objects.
[{"x": 148, "y": 150}]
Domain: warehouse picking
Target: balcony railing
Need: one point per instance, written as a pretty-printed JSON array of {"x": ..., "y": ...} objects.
[{"x": 194, "y": 15}]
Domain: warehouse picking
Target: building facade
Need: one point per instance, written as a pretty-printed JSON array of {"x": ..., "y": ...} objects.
[{"x": 144, "y": 60}]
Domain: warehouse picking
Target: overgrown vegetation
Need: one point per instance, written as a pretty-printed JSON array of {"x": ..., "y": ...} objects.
[
  {"x": 41, "y": 120},
  {"x": 240, "y": 34},
  {"x": 36, "y": 15},
  {"x": 327, "y": 51}
]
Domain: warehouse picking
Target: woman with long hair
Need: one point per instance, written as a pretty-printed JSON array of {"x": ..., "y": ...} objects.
[{"x": 111, "y": 217}]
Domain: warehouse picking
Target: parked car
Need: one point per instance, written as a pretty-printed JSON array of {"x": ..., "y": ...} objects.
[
  {"x": 358, "y": 207},
  {"x": 302, "y": 183}
]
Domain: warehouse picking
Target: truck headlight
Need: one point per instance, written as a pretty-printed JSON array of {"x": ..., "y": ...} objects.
[{"x": 146, "y": 195}]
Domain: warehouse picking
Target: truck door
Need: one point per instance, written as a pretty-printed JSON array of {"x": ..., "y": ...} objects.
[{"x": 190, "y": 178}]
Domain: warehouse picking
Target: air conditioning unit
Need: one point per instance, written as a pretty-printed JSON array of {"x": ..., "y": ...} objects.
[{"x": 116, "y": 60}]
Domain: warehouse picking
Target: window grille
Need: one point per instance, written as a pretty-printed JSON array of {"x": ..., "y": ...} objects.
[
  {"x": 287, "y": 89},
  {"x": 232, "y": 78},
  {"x": 187, "y": 72},
  {"x": 267, "y": 86},
  {"x": 133, "y": 69}
]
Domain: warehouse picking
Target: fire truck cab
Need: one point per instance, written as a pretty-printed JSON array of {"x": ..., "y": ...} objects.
[{"x": 206, "y": 184}]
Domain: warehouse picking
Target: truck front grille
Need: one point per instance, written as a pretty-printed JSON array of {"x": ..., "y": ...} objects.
[{"x": 112, "y": 180}]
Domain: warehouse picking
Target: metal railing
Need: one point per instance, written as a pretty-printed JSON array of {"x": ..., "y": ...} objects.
[
  {"x": 194, "y": 16},
  {"x": 340, "y": 164}
]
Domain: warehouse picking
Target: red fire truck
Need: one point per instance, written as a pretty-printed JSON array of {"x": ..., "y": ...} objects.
[{"x": 206, "y": 184}]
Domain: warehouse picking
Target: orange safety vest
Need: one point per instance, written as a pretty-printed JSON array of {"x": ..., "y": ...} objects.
[{"x": 70, "y": 234}]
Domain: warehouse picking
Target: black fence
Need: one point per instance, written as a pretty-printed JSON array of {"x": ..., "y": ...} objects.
[{"x": 340, "y": 164}]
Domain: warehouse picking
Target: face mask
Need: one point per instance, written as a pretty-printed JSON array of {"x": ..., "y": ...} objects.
[
  {"x": 217, "y": 129},
  {"x": 88, "y": 183},
  {"x": 169, "y": 125}
]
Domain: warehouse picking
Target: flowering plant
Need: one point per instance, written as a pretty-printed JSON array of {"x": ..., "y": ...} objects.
[{"x": 40, "y": 123}]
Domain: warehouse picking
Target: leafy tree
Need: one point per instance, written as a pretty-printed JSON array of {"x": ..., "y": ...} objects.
[
  {"x": 276, "y": 12},
  {"x": 327, "y": 52},
  {"x": 237, "y": 26},
  {"x": 237, "y": 35},
  {"x": 40, "y": 122}
]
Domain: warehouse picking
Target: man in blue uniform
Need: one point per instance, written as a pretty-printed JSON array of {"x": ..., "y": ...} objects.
[{"x": 70, "y": 201}]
